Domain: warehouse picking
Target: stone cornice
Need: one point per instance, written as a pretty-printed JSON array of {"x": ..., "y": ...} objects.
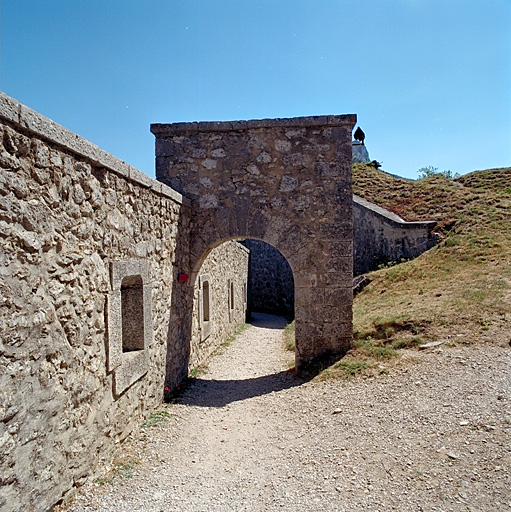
[
  {"x": 225, "y": 126},
  {"x": 391, "y": 217}
]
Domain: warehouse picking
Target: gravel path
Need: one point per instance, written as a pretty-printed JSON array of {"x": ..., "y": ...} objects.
[{"x": 434, "y": 434}]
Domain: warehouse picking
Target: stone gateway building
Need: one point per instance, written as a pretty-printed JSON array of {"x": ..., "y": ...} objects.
[
  {"x": 113, "y": 285},
  {"x": 286, "y": 182}
]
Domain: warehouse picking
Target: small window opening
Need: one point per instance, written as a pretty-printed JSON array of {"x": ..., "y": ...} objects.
[
  {"x": 132, "y": 313},
  {"x": 205, "y": 301},
  {"x": 231, "y": 295}
]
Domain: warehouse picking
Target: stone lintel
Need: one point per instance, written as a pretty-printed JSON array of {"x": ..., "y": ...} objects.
[
  {"x": 121, "y": 269},
  {"x": 226, "y": 126}
]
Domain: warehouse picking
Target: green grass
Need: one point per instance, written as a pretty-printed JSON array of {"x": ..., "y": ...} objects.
[
  {"x": 123, "y": 467},
  {"x": 231, "y": 338},
  {"x": 220, "y": 349},
  {"x": 374, "y": 349},
  {"x": 289, "y": 336},
  {"x": 461, "y": 285},
  {"x": 410, "y": 342},
  {"x": 350, "y": 368},
  {"x": 156, "y": 419},
  {"x": 199, "y": 370}
]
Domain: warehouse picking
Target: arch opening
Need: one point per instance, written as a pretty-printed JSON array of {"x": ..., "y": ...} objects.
[
  {"x": 218, "y": 285},
  {"x": 233, "y": 281},
  {"x": 270, "y": 281}
]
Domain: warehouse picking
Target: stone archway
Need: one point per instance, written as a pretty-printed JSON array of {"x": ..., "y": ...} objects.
[{"x": 286, "y": 182}]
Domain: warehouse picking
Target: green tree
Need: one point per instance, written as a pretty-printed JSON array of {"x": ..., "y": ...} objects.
[{"x": 426, "y": 172}]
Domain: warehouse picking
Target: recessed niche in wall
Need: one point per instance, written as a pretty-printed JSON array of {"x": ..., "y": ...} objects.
[
  {"x": 204, "y": 306},
  {"x": 132, "y": 313},
  {"x": 230, "y": 285},
  {"x": 129, "y": 322}
]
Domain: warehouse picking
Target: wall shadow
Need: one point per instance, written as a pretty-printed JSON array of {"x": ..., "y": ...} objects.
[
  {"x": 267, "y": 320},
  {"x": 219, "y": 393},
  {"x": 181, "y": 305}
]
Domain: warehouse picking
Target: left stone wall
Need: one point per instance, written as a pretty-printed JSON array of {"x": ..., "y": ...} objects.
[
  {"x": 220, "y": 300},
  {"x": 70, "y": 215}
]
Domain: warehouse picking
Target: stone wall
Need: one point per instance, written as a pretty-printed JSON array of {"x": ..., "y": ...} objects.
[
  {"x": 94, "y": 320},
  {"x": 225, "y": 271},
  {"x": 70, "y": 388},
  {"x": 271, "y": 284},
  {"x": 380, "y": 236}
]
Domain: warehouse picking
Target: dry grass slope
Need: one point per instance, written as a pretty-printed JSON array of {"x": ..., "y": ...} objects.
[{"x": 459, "y": 291}]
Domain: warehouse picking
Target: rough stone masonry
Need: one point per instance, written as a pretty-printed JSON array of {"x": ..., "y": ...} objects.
[
  {"x": 286, "y": 182},
  {"x": 83, "y": 237}
]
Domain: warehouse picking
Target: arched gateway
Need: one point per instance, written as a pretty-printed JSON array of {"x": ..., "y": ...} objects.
[{"x": 286, "y": 182}]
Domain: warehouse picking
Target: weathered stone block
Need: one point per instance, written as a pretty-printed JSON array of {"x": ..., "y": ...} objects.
[
  {"x": 341, "y": 331},
  {"x": 134, "y": 365}
]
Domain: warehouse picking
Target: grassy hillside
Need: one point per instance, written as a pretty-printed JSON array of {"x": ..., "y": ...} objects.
[{"x": 459, "y": 292}]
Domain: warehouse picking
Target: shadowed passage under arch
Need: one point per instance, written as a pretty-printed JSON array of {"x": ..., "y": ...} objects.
[{"x": 271, "y": 287}]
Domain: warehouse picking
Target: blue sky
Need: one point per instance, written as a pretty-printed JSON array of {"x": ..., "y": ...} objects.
[{"x": 430, "y": 80}]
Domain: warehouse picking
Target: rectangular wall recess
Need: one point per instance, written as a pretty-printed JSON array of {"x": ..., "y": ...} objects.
[
  {"x": 205, "y": 320},
  {"x": 129, "y": 322}
]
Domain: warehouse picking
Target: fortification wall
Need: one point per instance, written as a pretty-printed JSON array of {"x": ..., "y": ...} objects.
[
  {"x": 93, "y": 318},
  {"x": 225, "y": 271},
  {"x": 380, "y": 236},
  {"x": 70, "y": 214}
]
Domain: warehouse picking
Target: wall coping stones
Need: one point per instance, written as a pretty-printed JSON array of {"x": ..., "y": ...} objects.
[
  {"x": 34, "y": 122},
  {"x": 392, "y": 217},
  {"x": 226, "y": 126}
]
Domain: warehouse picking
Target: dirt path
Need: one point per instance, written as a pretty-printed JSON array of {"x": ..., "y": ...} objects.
[{"x": 432, "y": 434}]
